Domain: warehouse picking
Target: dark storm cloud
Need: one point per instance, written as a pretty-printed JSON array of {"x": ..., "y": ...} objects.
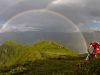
[
  {"x": 20, "y": 6},
  {"x": 4, "y": 4},
  {"x": 94, "y": 8},
  {"x": 78, "y": 12}
]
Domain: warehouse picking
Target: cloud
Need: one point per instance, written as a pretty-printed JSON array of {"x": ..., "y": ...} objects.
[
  {"x": 10, "y": 8},
  {"x": 4, "y": 4},
  {"x": 91, "y": 26},
  {"x": 96, "y": 21},
  {"x": 68, "y": 2},
  {"x": 75, "y": 10},
  {"x": 78, "y": 11},
  {"x": 95, "y": 25},
  {"x": 19, "y": 28}
]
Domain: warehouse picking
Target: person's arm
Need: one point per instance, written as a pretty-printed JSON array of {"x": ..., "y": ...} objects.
[{"x": 89, "y": 48}]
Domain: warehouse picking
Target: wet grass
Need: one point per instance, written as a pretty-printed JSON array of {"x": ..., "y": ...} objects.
[
  {"x": 54, "y": 67},
  {"x": 44, "y": 58}
]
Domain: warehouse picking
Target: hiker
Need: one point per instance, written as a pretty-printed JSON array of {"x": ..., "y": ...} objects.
[{"x": 96, "y": 49}]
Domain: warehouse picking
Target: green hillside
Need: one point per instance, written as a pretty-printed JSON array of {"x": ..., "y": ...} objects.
[
  {"x": 44, "y": 44},
  {"x": 14, "y": 53},
  {"x": 44, "y": 58}
]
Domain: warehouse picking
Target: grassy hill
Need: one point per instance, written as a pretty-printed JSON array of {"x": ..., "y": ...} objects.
[
  {"x": 44, "y": 58},
  {"x": 12, "y": 52}
]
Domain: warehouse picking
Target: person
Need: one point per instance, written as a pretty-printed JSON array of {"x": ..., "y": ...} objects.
[{"x": 96, "y": 49}]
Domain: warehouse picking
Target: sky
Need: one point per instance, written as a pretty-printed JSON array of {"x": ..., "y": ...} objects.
[
  {"x": 80, "y": 12},
  {"x": 49, "y": 16}
]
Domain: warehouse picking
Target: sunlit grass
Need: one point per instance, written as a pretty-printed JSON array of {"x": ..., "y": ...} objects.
[{"x": 44, "y": 58}]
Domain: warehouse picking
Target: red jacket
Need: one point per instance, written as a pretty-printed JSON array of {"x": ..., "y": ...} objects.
[{"x": 96, "y": 48}]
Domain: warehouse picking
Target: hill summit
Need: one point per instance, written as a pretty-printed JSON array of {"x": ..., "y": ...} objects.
[
  {"x": 12, "y": 52},
  {"x": 44, "y": 44},
  {"x": 42, "y": 56}
]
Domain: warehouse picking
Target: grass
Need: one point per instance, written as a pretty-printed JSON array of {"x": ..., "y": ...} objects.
[
  {"x": 54, "y": 67},
  {"x": 44, "y": 58}
]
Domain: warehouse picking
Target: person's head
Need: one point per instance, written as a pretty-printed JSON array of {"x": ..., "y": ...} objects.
[{"x": 97, "y": 42}]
